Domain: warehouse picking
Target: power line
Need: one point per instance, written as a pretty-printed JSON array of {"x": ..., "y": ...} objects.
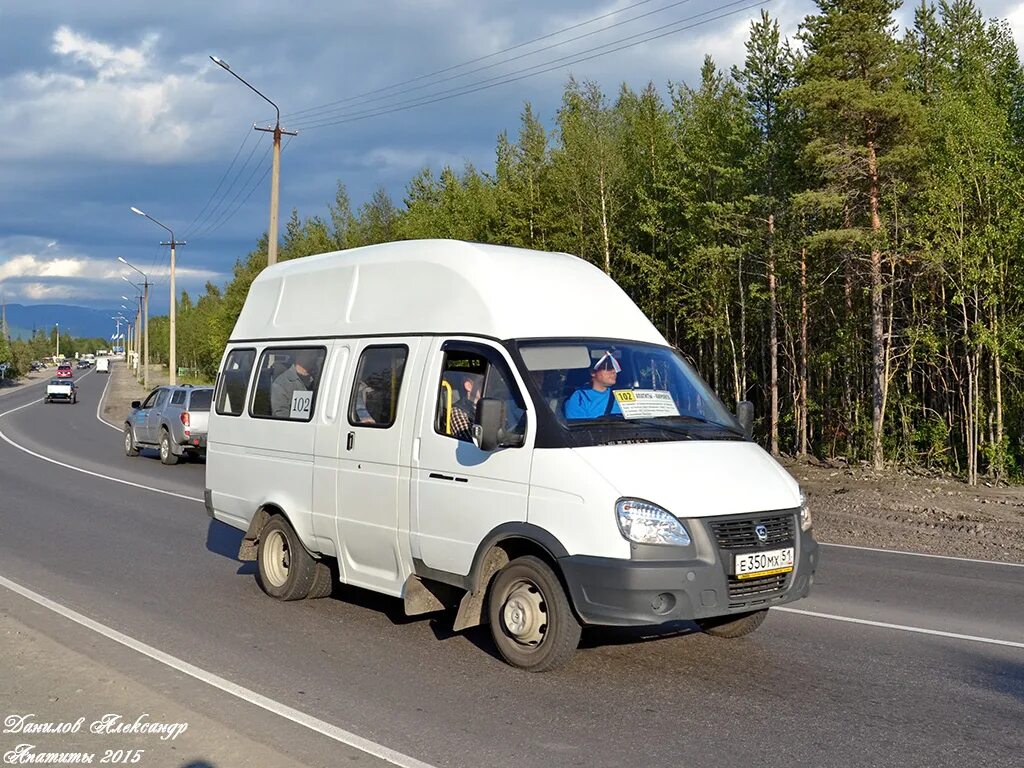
[
  {"x": 199, "y": 230},
  {"x": 484, "y": 58},
  {"x": 230, "y": 214},
  {"x": 539, "y": 69},
  {"x": 220, "y": 183}
]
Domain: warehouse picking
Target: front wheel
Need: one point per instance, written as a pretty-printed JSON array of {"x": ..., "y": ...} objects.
[
  {"x": 733, "y": 626},
  {"x": 285, "y": 569},
  {"x": 166, "y": 453},
  {"x": 130, "y": 448},
  {"x": 532, "y": 623}
]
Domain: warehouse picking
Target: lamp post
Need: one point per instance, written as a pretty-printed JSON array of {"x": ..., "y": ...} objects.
[
  {"x": 57, "y": 354},
  {"x": 136, "y": 346},
  {"x": 128, "y": 338},
  {"x": 145, "y": 317},
  {"x": 172, "y": 357},
  {"x": 275, "y": 176}
]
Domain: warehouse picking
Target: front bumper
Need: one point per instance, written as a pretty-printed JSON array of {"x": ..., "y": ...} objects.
[{"x": 654, "y": 588}]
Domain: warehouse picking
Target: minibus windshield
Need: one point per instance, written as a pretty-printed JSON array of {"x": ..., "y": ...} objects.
[{"x": 603, "y": 390}]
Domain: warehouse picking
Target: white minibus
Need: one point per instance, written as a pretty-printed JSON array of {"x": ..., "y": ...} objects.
[{"x": 498, "y": 430}]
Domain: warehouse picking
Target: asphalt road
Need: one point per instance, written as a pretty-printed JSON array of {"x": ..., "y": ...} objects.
[{"x": 906, "y": 661}]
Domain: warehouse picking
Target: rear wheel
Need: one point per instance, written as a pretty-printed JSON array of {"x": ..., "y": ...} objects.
[
  {"x": 130, "y": 448},
  {"x": 166, "y": 454},
  {"x": 733, "y": 626},
  {"x": 532, "y": 623},
  {"x": 285, "y": 569}
]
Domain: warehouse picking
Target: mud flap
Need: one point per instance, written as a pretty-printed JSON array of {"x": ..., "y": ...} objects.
[{"x": 471, "y": 607}]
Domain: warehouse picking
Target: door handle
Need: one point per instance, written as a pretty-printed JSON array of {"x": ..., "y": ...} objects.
[{"x": 350, "y": 441}]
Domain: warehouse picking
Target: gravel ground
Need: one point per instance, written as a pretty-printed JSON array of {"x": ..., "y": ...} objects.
[{"x": 912, "y": 511}]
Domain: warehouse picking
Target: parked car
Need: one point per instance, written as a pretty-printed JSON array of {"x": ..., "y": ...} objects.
[
  {"x": 64, "y": 371},
  {"x": 171, "y": 418},
  {"x": 63, "y": 389}
]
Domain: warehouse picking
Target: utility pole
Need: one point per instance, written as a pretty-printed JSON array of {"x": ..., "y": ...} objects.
[
  {"x": 172, "y": 357},
  {"x": 275, "y": 176},
  {"x": 58, "y": 340},
  {"x": 172, "y": 343},
  {"x": 145, "y": 321}
]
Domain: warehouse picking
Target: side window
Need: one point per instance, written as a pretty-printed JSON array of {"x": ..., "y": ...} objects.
[
  {"x": 234, "y": 380},
  {"x": 287, "y": 380},
  {"x": 161, "y": 397},
  {"x": 178, "y": 398},
  {"x": 466, "y": 376},
  {"x": 150, "y": 400},
  {"x": 374, "y": 401}
]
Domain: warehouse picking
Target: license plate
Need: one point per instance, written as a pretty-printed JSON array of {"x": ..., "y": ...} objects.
[{"x": 769, "y": 563}]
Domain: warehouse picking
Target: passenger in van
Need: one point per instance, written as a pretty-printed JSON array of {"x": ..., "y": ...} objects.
[
  {"x": 362, "y": 411},
  {"x": 596, "y": 401},
  {"x": 299, "y": 377},
  {"x": 464, "y": 411}
]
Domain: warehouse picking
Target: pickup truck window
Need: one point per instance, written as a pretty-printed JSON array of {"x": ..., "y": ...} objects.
[
  {"x": 178, "y": 398},
  {"x": 161, "y": 398},
  {"x": 151, "y": 400},
  {"x": 200, "y": 400}
]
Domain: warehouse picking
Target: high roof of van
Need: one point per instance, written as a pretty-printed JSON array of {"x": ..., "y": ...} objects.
[{"x": 443, "y": 287}]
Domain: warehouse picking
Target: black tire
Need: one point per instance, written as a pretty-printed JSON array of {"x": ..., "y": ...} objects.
[
  {"x": 131, "y": 448},
  {"x": 532, "y": 623},
  {"x": 166, "y": 452},
  {"x": 46, "y": 399},
  {"x": 733, "y": 626},
  {"x": 323, "y": 581},
  {"x": 285, "y": 569}
]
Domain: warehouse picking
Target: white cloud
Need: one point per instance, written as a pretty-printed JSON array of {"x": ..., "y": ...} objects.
[
  {"x": 108, "y": 62},
  {"x": 1015, "y": 18},
  {"x": 125, "y": 105},
  {"x": 43, "y": 292}
]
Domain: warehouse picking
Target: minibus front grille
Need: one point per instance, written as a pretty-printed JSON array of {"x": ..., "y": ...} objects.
[
  {"x": 754, "y": 590},
  {"x": 742, "y": 533}
]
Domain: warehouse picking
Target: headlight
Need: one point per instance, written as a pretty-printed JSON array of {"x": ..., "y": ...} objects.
[
  {"x": 806, "y": 521},
  {"x": 646, "y": 523}
]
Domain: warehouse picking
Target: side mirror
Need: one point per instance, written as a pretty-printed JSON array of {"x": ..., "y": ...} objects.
[
  {"x": 136, "y": 404},
  {"x": 490, "y": 415},
  {"x": 745, "y": 416}
]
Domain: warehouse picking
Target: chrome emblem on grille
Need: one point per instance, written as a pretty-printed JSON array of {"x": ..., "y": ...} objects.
[{"x": 762, "y": 533}]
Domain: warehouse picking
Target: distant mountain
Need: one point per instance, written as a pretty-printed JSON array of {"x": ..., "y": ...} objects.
[{"x": 80, "y": 322}]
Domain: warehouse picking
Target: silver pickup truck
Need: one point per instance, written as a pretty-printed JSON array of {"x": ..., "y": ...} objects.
[
  {"x": 173, "y": 419},
  {"x": 61, "y": 389}
]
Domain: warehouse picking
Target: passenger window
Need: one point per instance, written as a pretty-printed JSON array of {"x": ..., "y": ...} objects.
[
  {"x": 378, "y": 381},
  {"x": 234, "y": 381},
  {"x": 178, "y": 398},
  {"x": 161, "y": 398},
  {"x": 466, "y": 376},
  {"x": 151, "y": 399},
  {"x": 287, "y": 380}
]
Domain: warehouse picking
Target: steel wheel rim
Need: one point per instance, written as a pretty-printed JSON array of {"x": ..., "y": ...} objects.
[
  {"x": 276, "y": 558},
  {"x": 127, "y": 440},
  {"x": 524, "y": 614}
]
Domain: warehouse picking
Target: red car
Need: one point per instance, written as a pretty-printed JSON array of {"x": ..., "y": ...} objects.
[{"x": 64, "y": 371}]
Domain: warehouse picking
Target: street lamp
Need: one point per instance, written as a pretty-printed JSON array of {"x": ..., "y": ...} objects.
[
  {"x": 172, "y": 361},
  {"x": 145, "y": 317},
  {"x": 275, "y": 176},
  {"x": 136, "y": 345}
]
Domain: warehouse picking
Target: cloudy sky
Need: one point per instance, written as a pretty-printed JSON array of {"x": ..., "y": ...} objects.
[{"x": 111, "y": 104}]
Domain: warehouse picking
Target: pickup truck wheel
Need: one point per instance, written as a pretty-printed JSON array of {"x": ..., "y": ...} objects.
[
  {"x": 285, "y": 569},
  {"x": 166, "y": 454},
  {"x": 733, "y": 626},
  {"x": 532, "y": 623},
  {"x": 130, "y": 448}
]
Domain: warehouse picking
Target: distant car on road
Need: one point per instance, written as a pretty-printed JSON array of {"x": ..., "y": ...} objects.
[
  {"x": 82, "y": 364},
  {"x": 35, "y": 365},
  {"x": 64, "y": 371},
  {"x": 173, "y": 419},
  {"x": 63, "y": 389},
  {"x": 102, "y": 365}
]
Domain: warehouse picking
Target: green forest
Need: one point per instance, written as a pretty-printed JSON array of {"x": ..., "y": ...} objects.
[{"x": 833, "y": 230}]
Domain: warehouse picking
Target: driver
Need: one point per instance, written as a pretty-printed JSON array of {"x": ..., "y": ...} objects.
[{"x": 597, "y": 400}]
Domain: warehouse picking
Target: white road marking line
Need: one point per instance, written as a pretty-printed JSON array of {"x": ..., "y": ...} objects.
[
  {"x": 22, "y": 448},
  {"x": 99, "y": 405},
  {"x": 283, "y": 710},
  {"x": 902, "y": 628},
  {"x": 922, "y": 554}
]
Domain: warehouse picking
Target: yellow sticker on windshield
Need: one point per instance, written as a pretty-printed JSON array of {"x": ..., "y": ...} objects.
[{"x": 625, "y": 396}]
